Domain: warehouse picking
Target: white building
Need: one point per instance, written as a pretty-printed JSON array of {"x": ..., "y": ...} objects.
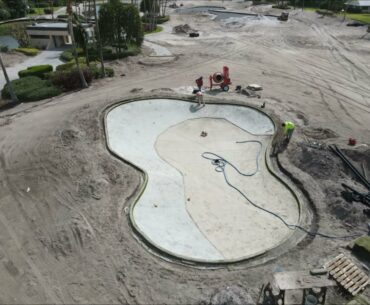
[
  {"x": 49, "y": 35},
  {"x": 359, "y": 5}
]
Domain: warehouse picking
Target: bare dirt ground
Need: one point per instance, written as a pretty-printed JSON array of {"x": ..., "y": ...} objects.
[
  {"x": 65, "y": 236},
  {"x": 12, "y": 58}
]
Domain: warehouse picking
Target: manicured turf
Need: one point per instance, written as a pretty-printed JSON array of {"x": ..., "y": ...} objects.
[
  {"x": 157, "y": 30},
  {"x": 365, "y": 18}
]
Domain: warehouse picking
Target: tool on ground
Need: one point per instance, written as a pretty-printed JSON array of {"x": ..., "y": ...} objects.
[
  {"x": 254, "y": 87},
  {"x": 347, "y": 274},
  {"x": 221, "y": 79}
]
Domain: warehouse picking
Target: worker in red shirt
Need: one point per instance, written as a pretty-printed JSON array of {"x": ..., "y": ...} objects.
[{"x": 199, "y": 82}]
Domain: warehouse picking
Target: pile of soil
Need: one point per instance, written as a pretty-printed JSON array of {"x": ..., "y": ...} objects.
[
  {"x": 329, "y": 172},
  {"x": 183, "y": 29}
]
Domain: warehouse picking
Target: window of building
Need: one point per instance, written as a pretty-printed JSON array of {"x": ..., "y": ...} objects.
[{"x": 39, "y": 36}]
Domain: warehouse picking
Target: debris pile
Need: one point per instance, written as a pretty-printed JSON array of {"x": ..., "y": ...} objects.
[{"x": 183, "y": 29}]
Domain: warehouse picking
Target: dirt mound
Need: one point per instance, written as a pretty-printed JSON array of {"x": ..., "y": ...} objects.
[
  {"x": 183, "y": 29},
  {"x": 320, "y": 133},
  {"x": 320, "y": 164}
]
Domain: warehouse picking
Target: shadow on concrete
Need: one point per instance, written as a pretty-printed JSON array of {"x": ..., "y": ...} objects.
[{"x": 195, "y": 108}]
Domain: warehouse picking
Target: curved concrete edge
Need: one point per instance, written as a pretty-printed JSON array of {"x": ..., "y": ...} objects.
[{"x": 296, "y": 236}]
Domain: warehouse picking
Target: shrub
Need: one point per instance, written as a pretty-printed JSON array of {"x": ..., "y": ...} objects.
[
  {"x": 36, "y": 71},
  {"x": 4, "y": 49},
  {"x": 28, "y": 51},
  {"x": 159, "y": 19},
  {"x": 65, "y": 67},
  {"x": 67, "y": 55},
  {"x": 325, "y": 12},
  {"x": 42, "y": 4},
  {"x": 48, "y": 11},
  {"x": 32, "y": 11},
  {"x": 131, "y": 51},
  {"x": 4, "y": 14},
  {"x": 70, "y": 80},
  {"x": 109, "y": 72},
  {"x": 31, "y": 88},
  {"x": 97, "y": 71}
]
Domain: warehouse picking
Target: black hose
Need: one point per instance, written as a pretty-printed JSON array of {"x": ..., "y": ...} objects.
[
  {"x": 220, "y": 164},
  {"x": 340, "y": 154}
]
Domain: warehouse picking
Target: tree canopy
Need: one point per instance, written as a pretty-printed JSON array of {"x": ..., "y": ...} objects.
[
  {"x": 120, "y": 24},
  {"x": 16, "y": 8}
]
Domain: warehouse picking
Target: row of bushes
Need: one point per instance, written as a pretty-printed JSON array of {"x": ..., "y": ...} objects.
[
  {"x": 39, "y": 82},
  {"x": 159, "y": 19},
  {"x": 28, "y": 51},
  {"x": 131, "y": 50},
  {"x": 39, "y": 71},
  {"x": 31, "y": 88}
]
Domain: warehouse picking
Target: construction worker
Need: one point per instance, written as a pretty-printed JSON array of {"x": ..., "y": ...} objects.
[
  {"x": 199, "y": 82},
  {"x": 288, "y": 130},
  {"x": 200, "y": 98}
]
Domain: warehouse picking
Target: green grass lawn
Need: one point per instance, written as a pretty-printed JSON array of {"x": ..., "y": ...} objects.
[
  {"x": 362, "y": 17},
  {"x": 311, "y": 9},
  {"x": 157, "y": 30},
  {"x": 365, "y": 18}
]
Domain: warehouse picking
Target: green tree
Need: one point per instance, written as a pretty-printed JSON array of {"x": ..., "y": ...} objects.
[
  {"x": 17, "y": 8},
  {"x": 120, "y": 24},
  {"x": 81, "y": 39},
  {"x": 20, "y": 34},
  {"x": 149, "y": 6}
]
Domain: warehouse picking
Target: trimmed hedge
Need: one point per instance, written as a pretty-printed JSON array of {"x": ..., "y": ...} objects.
[
  {"x": 67, "y": 55},
  {"x": 160, "y": 20},
  {"x": 31, "y": 88},
  {"x": 27, "y": 51},
  {"x": 70, "y": 79},
  {"x": 94, "y": 69},
  {"x": 39, "y": 71},
  {"x": 97, "y": 72},
  {"x": 65, "y": 67}
]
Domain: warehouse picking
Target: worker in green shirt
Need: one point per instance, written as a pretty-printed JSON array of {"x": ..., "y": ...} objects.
[{"x": 288, "y": 130}]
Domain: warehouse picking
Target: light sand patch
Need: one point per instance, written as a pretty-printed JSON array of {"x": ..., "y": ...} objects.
[{"x": 235, "y": 227}]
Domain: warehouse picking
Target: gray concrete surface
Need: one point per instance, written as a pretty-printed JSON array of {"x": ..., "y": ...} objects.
[
  {"x": 195, "y": 222},
  {"x": 50, "y": 57}
]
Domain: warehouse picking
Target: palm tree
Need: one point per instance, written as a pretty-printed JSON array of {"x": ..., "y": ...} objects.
[
  {"x": 10, "y": 86},
  {"x": 100, "y": 47},
  {"x": 70, "y": 25}
]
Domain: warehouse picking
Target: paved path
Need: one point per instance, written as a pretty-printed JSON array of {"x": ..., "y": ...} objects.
[{"x": 50, "y": 57}]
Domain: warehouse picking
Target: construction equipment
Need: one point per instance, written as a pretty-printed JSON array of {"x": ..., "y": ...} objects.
[
  {"x": 284, "y": 16},
  {"x": 220, "y": 79}
]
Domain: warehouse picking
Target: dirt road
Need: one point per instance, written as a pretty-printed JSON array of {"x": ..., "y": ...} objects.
[{"x": 65, "y": 236}]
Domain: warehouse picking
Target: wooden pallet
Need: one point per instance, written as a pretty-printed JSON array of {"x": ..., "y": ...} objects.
[{"x": 347, "y": 274}]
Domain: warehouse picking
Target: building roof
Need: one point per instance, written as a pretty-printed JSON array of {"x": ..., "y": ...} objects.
[
  {"x": 358, "y": 3},
  {"x": 47, "y": 26}
]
